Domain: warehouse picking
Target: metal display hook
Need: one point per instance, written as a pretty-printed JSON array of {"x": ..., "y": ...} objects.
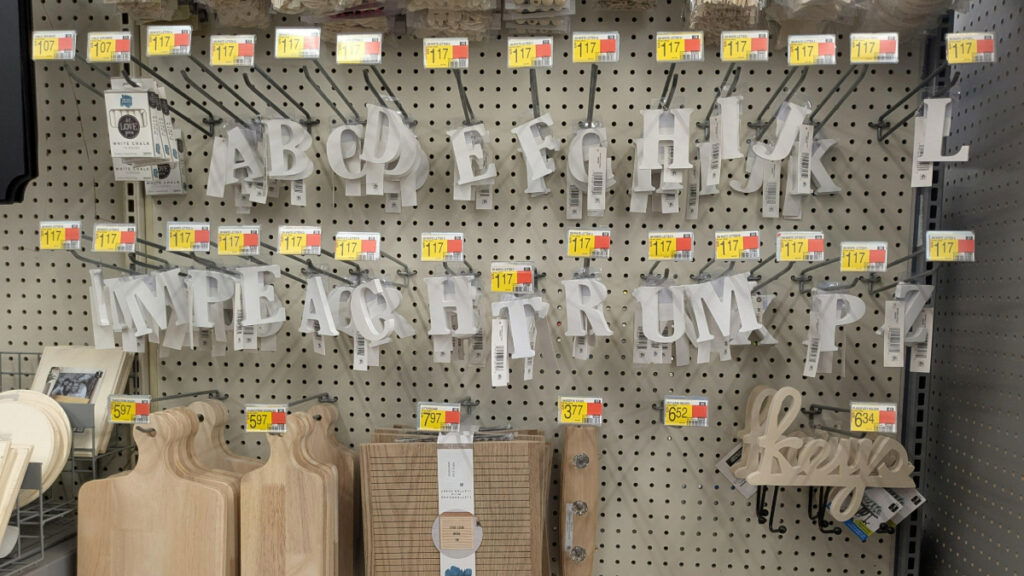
[
  {"x": 816, "y": 410},
  {"x": 212, "y": 394},
  {"x": 816, "y": 514},
  {"x": 881, "y": 124},
  {"x": 210, "y": 98},
  {"x": 650, "y": 276},
  {"x": 77, "y": 256},
  {"x": 405, "y": 272},
  {"x": 534, "y": 93},
  {"x": 221, "y": 84},
  {"x": 267, "y": 101},
  {"x": 668, "y": 91},
  {"x": 309, "y": 269},
  {"x": 908, "y": 117},
  {"x": 720, "y": 91},
  {"x": 321, "y": 398},
  {"x": 210, "y": 120},
  {"x": 309, "y": 121},
  {"x": 584, "y": 272},
  {"x": 754, "y": 277},
  {"x": 764, "y": 514},
  {"x": 358, "y": 270},
  {"x": 804, "y": 278},
  {"x": 591, "y": 97},
  {"x": 323, "y": 96},
  {"x": 334, "y": 86},
  {"x": 870, "y": 280},
  {"x": 762, "y": 125},
  {"x": 468, "y": 406},
  {"x": 862, "y": 73},
  {"x": 917, "y": 276},
  {"x": 409, "y": 121},
  {"x": 913, "y": 254},
  {"x": 469, "y": 268},
  {"x": 702, "y": 275},
  {"x": 208, "y": 264},
  {"x": 467, "y": 109}
]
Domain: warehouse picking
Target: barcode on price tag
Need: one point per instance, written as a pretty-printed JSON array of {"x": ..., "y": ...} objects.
[
  {"x": 442, "y": 247},
  {"x": 113, "y": 238},
  {"x": 238, "y": 240},
  {"x": 352, "y": 246},
  {"x": 127, "y": 409},
  {"x": 175, "y": 40},
  {"x": 109, "y": 47},
  {"x": 872, "y": 417},
  {"x": 589, "y": 243},
  {"x": 299, "y": 240},
  {"x": 971, "y": 48},
  {"x": 443, "y": 53},
  {"x": 296, "y": 43},
  {"x": 439, "y": 417},
  {"x": 949, "y": 246},
  {"x": 530, "y": 52},
  {"x": 679, "y": 47},
  {"x": 864, "y": 256},
  {"x": 188, "y": 237},
  {"x": 812, "y": 50},
  {"x": 685, "y": 412},
  {"x": 881, "y": 48},
  {"x": 233, "y": 50},
  {"x": 580, "y": 410},
  {"x": 738, "y": 245},
  {"x": 799, "y": 247},
  {"x": 745, "y": 46},
  {"x": 588, "y": 47},
  {"x": 266, "y": 418},
  {"x": 512, "y": 277},
  {"x": 54, "y": 45},
  {"x": 359, "y": 48},
  {"x": 60, "y": 235},
  {"x": 677, "y": 246}
]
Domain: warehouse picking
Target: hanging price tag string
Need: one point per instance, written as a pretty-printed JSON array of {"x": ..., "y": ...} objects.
[
  {"x": 733, "y": 73},
  {"x": 882, "y": 124},
  {"x": 759, "y": 123},
  {"x": 861, "y": 70},
  {"x": 815, "y": 410},
  {"x": 918, "y": 276}
]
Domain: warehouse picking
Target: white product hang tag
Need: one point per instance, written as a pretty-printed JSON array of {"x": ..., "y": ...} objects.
[
  {"x": 893, "y": 334},
  {"x": 597, "y": 167},
  {"x": 791, "y": 118},
  {"x": 709, "y": 179},
  {"x": 921, "y": 352},
  {"x": 691, "y": 184},
  {"x": 244, "y": 336},
  {"x": 344, "y": 150},
  {"x": 499, "y": 353},
  {"x": 669, "y": 202},
  {"x": 729, "y": 127},
  {"x": 935, "y": 113},
  {"x": 770, "y": 196},
  {"x": 666, "y": 129},
  {"x": 537, "y": 145},
  {"x": 921, "y": 175},
  {"x": 713, "y": 176},
  {"x": 804, "y": 145},
  {"x": 813, "y": 355},
  {"x": 360, "y": 356}
]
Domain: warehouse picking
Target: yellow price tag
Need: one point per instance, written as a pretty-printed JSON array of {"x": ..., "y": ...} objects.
[
  {"x": 573, "y": 411},
  {"x": 670, "y": 49},
  {"x": 729, "y": 247},
  {"x": 736, "y": 49},
  {"x": 44, "y": 48},
  {"x": 259, "y": 421},
  {"x": 293, "y": 243},
  {"x": 102, "y": 49},
  {"x": 351, "y": 51},
  {"x": 581, "y": 245},
  {"x": 503, "y": 281},
  {"x": 51, "y": 238},
  {"x": 661, "y": 248},
  {"x": 122, "y": 411},
  {"x": 586, "y": 49},
  {"x": 866, "y": 50},
  {"x": 432, "y": 419},
  {"x": 348, "y": 248},
  {"x": 803, "y": 53},
  {"x": 106, "y": 240},
  {"x": 183, "y": 239},
  {"x": 438, "y": 56},
  {"x": 522, "y": 56},
  {"x": 678, "y": 415},
  {"x": 794, "y": 250},
  {"x": 856, "y": 259},
  {"x": 161, "y": 43},
  {"x": 290, "y": 45},
  {"x": 224, "y": 53},
  {"x": 230, "y": 243},
  {"x": 864, "y": 420},
  {"x": 942, "y": 249},
  {"x": 962, "y": 51},
  {"x": 434, "y": 249}
]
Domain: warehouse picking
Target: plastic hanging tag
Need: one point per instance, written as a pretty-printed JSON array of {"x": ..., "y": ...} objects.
[
  {"x": 60, "y": 235},
  {"x": 971, "y": 48},
  {"x": 113, "y": 238},
  {"x": 109, "y": 47},
  {"x": 238, "y": 240},
  {"x": 297, "y": 43},
  {"x": 54, "y": 45},
  {"x": 357, "y": 246},
  {"x": 679, "y": 47},
  {"x": 266, "y": 418},
  {"x": 530, "y": 52},
  {"x": 812, "y": 50},
  {"x": 296, "y": 240},
  {"x": 878, "y": 48},
  {"x": 127, "y": 409},
  {"x": 359, "y": 49},
  {"x": 172, "y": 40},
  {"x": 442, "y": 247},
  {"x": 738, "y": 245},
  {"x": 237, "y": 50},
  {"x": 799, "y": 247},
  {"x": 685, "y": 412},
  {"x": 675, "y": 246},
  {"x": 512, "y": 277},
  {"x": 589, "y": 243},
  {"x": 864, "y": 256},
  {"x": 445, "y": 53},
  {"x": 949, "y": 246},
  {"x": 745, "y": 46},
  {"x": 595, "y": 47}
]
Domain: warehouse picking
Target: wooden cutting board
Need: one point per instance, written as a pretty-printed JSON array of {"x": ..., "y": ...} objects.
[
  {"x": 151, "y": 521},
  {"x": 209, "y": 445},
  {"x": 580, "y": 485},
  {"x": 283, "y": 510},
  {"x": 324, "y": 446}
]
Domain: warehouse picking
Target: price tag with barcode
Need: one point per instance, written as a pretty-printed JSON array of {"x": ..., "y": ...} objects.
[
  {"x": 679, "y": 47},
  {"x": 864, "y": 257},
  {"x": 685, "y": 412},
  {"x": 439, "y": 417},
  {"x": 738, "y": 245},
  {"x": 352, "y": 246},
  {"x": 812, "y": 50},
  {"x": 54, "y": 45},
  {"x": 233, "y": 50},
  {"x": 266, "y": 418},
  {"x": 238, "y": 240},
  {"x": 109, "y": 47},
  {"x": 872, "y": 417},
  {"x": 677, "y": 246},
  {"x": 948, "y": 246},
  {"x": 745, "y": 46},
  {"x": 299, "y": 240},
  {"x": 881, "y": 48},
  {"x": 188, "y": 237},
  {"x": 530, "y": 52},
  {"x": 60, "y": 235},
  {"x": 128, "y": 409},
  {"x": 442, "y": 247},
  {"x": 444, "y": 53},
  {"x": 589, "y": 243},
  {"x": 799, "y": 247},
  {"x": 971, "y": 48},
  {"x": 359, "y": 48},
  {"x": 512, "y": 277},
  {"x": 113, "y": 238},
  {"x": 580, "y": 410},
  {"x": 175, "y": 40},
  {"x": 296, "y": 43},
  {"x": 588, "y": 47}
]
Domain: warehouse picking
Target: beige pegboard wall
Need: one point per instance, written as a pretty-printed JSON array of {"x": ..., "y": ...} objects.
[{"x": 665, "y": 510}]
